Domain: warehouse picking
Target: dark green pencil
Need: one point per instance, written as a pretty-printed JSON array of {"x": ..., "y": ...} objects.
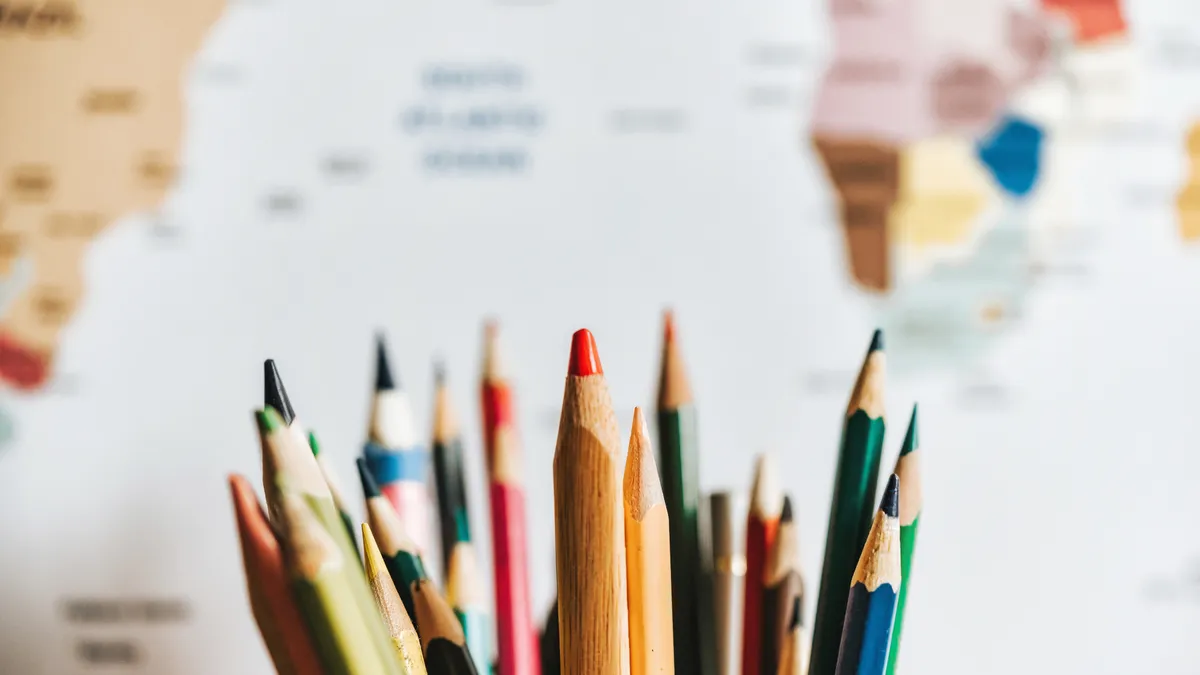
[
  {"x": 853, "y": 505},
  {"x": 453, "y": 519},
  {"x": 400, "y": 554}
]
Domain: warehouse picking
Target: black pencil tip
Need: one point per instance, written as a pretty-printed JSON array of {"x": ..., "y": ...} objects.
[
  {"x": 876, "y": 341},
  {"x": 369, "y": 487},
  {"x": 274, "y": 394},
  {"x": 890, "y": 504},
  {"x": 910, "y": 437},
  {"x": 794, "y": 622},
  {"x": 383, "y": 373},
  {"x": 439, "y": 372},
  {"x": 785, "y": 516}
]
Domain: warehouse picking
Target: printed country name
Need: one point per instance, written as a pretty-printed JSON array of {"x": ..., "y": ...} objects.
[
  {"x": 32, "y": 183},
  {"x": 100, "y": 652},
  {"x": 39, "y": 19},
  {"x": 472, "y": 77},
  {"x": 476, "y": 160},
  {"x": 420, "y": 118}
]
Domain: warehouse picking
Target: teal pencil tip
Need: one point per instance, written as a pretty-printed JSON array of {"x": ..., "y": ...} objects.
[
  {"x": 369, "y": 487},
  {"x": 910, "y": 438},
  {"x": 877, "y": 341}
]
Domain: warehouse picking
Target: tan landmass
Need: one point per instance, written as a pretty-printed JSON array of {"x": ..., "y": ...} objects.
[
  {"x": 942, "y": 190},
  {"x": 1187, "y": 201},
  {"x": 91, "y": 121}
]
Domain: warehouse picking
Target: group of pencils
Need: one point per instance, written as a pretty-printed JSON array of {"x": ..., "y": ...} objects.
[{"x": 646, "y": 565}]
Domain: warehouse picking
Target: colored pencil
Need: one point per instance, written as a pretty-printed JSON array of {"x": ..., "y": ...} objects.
[
  {"x": 396, "y": 460},
  {"x": 453, "y": 519},
  {"x": 399, "y": 624},
  {"x": 766, "y": 505},
  {"x": 648, "y": 557},
  {"x": 728, "y": 565},
  {"x": 321, "y": 580},
  {"x": 908, "y": 470},
  {"x": 589, "y": 527},
  {"x": 850, "y": 512},
  {"x": 290, "y": 464},
  {"x": 793, "y": 658},
  {"x": 467, "y": 600},
  {"x": 516, "y": 637},
  {"x": 871, "y": 605},
  {"x": 782, "y": 584},
  {"x": 548, "y": 648},
  {"x": 334, "y": 485},
  {"x": 279, "y": 621},
  {"x": 679, "y": 459},
  {"x": 446, "y": 651},
  {"x": 400, "y": 553}
]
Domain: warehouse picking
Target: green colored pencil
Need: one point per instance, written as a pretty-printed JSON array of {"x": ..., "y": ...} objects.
[
  {"x": 334, "y": 486},
  {"x": 695, "y": 641},
  {"x": 853, "y": 505},
  {"x": 908, "y": 469},
  {"x": 400, "y": 554}
]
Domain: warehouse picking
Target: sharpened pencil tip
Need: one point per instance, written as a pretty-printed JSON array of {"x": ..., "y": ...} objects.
[
  {"x": 877, "y": 341},
  {"x": 668, "y": 326},
  {"x": 585, "y": 360},
  {"x": 268, "y": 420},
  {"x": 369, "y": 487},
  {"x": 383, "y": 374},
  {"x": 890, "y": 504},
  {"x": 785, "y": 516},
  {"x": 794, "y": 621},
  {"x": 910, "y": 438},
  {"x": 274, "y": 393}
]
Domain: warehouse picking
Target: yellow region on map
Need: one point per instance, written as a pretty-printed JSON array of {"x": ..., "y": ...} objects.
[
  {"x": 1187, "y": 202},
  {"x": 942, "y": 188},
  {"x": 91, "y": 121}
]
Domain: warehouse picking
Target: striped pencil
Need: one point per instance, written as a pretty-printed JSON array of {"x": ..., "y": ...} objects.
[
  {"x": 400, "y": 553},
  {"x": 793, "y": 658},
  {"x": 467, "y": 600},
  {"x": 766, "y": 505},
  {"x": 589, "y": 524},
  {"x": 782, "y": 585},
  {"x": 446, "y": 651},
  {"x": 871, "y": 606},
  {"x": 679, "y": 453},
  {"x": 453, "y": 519},
  {"x": 396, "y": 460},
  {"x": 908, "y": 470},
  {"x": 268, "y": 584},
  {"x": 515, "y": 634},
  {"x": 850, "y": 512},
  {"x": 399, "y": 624},
  {"x": 648, "y": 556}
]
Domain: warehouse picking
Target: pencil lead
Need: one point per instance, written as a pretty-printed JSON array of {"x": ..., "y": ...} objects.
[
  {"x": 785, "y": 516},
  {"x": 668, "y": 326},
  {"x": 890, "y": 504},
  {"x": 910, "y": 438},
  {"x": 268, "y": 420},
  {"x": 274, "y": 393},
  {"x": 794, "y": 622},
  {"x": 369, "y": 487},
  {"x": 585, "y": 360},
  {"x": 383, "y": 374},
  {"x": 876, "y": 341}
]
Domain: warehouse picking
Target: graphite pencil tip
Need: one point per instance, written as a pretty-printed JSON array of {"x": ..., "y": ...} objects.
[
  {"x": 785, "y": 516},
  {"x": 910, "y": 438},
  {"x": 794, "y": 621},
  {"x": 369, "y": 487},
  {"x": 585, "y": 360},
  {"x": 877, "y": 341},
  {"x": 383, "y": 374},
  {"x": 274, "y": 393},
  {"x": 890, "y": 504}
]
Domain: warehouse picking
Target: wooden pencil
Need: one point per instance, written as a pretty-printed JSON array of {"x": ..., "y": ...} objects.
[
  {"x": 446, "y": 651},
  {"x": 908, "y": 470},
  {"x": 334, "y": 484},
  {"x": 648, "y": 557},
  {"x": 793, "y": 657},
  {"x": 728, "y": 565},
  {"x": 400, "y": 553},
  {"x": 290, "y": 463},
  {"x": 679, "y": 459},
  {"x": 766, "y": 505},
  {"x": 871, "y": 605},
  {"x": 399, "y": 624},
  {"x": 548, "y": 647},
  {"x": 453, "y": 519},
  {"x": 398, "y": 463},
  {"x": 589, "y": 526},
  {"x": 782, "y": 584},
  {"x": 467, "y": 600},
  {"x": 268, "y": 585},
  {"x": 321, "y": 583},
  {"x": 516, "y": 637},
  {"x": 851, "y": 511}
]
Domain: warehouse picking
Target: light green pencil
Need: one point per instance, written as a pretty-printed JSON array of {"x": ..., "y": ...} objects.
[{"x": 908, "y": 469}]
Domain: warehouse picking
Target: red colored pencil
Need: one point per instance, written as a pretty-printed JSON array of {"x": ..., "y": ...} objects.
[
  {"x": 269, "y": 586},
  {"x": 516, "y": 634},
  {"x": 766, "y": 505}
]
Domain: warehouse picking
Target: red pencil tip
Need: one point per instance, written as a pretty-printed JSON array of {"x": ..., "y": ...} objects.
[
  {"x": 668, "y": 326},
  {"x": 585, "y": 360}
]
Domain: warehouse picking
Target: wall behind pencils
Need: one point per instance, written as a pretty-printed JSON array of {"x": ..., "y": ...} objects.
[{"x": 657, "y": 153}]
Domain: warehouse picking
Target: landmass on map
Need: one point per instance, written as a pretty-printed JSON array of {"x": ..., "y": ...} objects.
[{"x": 93, "y": 121}]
